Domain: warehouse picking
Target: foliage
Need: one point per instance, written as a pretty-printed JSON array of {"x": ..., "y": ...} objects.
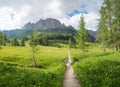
[
  {"x": 15, "y": 42},
  {"x": 81, "y": 35},
  {"x": 33, "y": 44},
  {"x": 3, "y": 39},
  {"x": 99, "y": 72},
  {"x": 22, "y": 42},
  {"x": 26, "y": 77},
  {"x": 109, "y": 25},
  {"x": 25, "y": 32}
]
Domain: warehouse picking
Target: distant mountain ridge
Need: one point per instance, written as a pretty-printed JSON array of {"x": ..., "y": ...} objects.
[{"x": 49, "y": 25}]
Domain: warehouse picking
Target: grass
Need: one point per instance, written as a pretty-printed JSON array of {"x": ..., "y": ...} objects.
[
  {"x": 15, "y": 70},
  {"x": 97, "y": 70},
  {"x": 58, "y": 43},
  {"x": 22, "y": 55}
]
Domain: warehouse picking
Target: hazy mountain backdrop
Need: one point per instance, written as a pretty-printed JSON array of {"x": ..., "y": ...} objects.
[{"x": 49, "y": 25}]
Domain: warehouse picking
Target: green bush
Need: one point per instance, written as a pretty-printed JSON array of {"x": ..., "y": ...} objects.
[
  {"x": 27, "y": 77},
  {"x": 98, "y": 73}
]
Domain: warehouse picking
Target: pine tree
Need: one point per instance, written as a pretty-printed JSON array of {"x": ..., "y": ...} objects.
[
  {"x": 81, "y": 35},
  {"x": 22, "y": 42},
  {"x": 116, "y": 23},
  {"x": 108, "y": 24},
  {"x": 4, "y": 38},
  {"x": 103, "y": 36},
  {"x": 1, "y": 39},
  {"x": 14, "y": 42}
]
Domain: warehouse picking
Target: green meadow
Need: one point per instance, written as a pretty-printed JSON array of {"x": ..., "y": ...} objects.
[
  {"x": 16, "y": 70},
  {"x": 96, "y": 70}
]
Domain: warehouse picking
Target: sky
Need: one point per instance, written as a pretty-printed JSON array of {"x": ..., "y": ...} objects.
[{"x": 14, "y": 14}]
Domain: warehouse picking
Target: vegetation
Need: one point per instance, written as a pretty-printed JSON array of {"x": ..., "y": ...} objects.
[
  {"x": 109, "y": 25},
  {"x": 81, "y": 36},
  {"x": 16, "y": 67},
  {"x": 15, "y": 42},
  {"x": 98, "y": 70},
  {"x": 22, "y": 42},
  {"x": 33, "y": 44},
  {"x": 25, "y": 32},
  {"x": 45, "y": 66},
  {"x": 3, "y": 39}
]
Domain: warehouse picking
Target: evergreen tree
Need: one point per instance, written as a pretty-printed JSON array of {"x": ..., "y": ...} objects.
[
  {"x": 116, "y": 23},
  {"x": 103, "y": 36},
  {"x": 14, "y": 42},
  {"x": 81, "y": 35},
  {"x": 109, "y": 24},
  {"x": 1, "y": 39},
  {"x": 22, "y": 42},
  {"x": 4, "y": 38}
]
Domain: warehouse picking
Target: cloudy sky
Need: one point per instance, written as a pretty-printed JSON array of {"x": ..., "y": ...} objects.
[{"x": 15, "y": 13}]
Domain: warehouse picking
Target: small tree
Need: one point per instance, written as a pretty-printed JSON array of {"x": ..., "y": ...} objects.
[
  {"x": 33, "y": 44},
  {"x": 81, "y": 35}
]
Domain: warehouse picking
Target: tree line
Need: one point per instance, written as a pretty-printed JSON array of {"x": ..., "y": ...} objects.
[
  {"x": 3, "y": 39},
  {"x": 13, "y": 42},
  {"x": 42, "y": 38},
  {"x": 109, "y": 25}
]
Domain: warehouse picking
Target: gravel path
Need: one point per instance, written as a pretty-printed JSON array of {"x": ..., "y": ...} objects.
[{"x": 69, "y": 76}]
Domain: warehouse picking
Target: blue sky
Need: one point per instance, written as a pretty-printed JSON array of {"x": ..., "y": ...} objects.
[
  {"x": 15, "y": 13},
  {"x": 75, "y": 12}
]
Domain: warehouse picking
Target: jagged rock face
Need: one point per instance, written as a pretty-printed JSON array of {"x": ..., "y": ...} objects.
[
  {"x": 93, "y": 33},
  {"x": 49, "y": 23},
  {"x": 28, "y": 26}
]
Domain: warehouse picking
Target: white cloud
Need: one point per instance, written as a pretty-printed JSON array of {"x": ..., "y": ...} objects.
[
  {"x": 15, "y": 13},
  {"x": 74, "y": 20},
  {"x": 53, "y": 10},
  {"x": 11, "y": 19},
  {"x": 90, "y": 20}
]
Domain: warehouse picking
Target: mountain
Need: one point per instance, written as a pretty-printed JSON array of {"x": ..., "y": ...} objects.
[
  {"x": 49, "y": 23},
  {"x": 93, "y": 33}
]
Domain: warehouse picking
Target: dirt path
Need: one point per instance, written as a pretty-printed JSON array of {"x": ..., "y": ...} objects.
[{"x": 69, "y": 77}]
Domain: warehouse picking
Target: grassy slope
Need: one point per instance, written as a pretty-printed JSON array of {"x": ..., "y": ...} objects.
[
  {"x": 98, "y": 70},
  {"x": 14, "y": 70}
]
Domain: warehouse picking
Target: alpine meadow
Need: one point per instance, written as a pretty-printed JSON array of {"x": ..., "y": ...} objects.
[{"x": 60, "y": 43}]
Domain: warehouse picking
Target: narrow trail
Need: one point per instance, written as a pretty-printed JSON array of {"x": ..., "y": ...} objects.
[{"x": 69, "y": 76}]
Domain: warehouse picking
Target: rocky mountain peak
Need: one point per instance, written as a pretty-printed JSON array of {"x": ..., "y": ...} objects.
[{"x": 49, "y": 23}]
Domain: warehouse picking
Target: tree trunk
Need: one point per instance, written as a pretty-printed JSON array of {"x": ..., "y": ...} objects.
[
  {"x": 34, "y": 60},
  {"x": 118, "y": 48},
  {"x": 104, "y": 49}
]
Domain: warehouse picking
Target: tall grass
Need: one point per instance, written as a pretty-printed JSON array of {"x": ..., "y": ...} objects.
[{"x": 98, "y": 69}]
